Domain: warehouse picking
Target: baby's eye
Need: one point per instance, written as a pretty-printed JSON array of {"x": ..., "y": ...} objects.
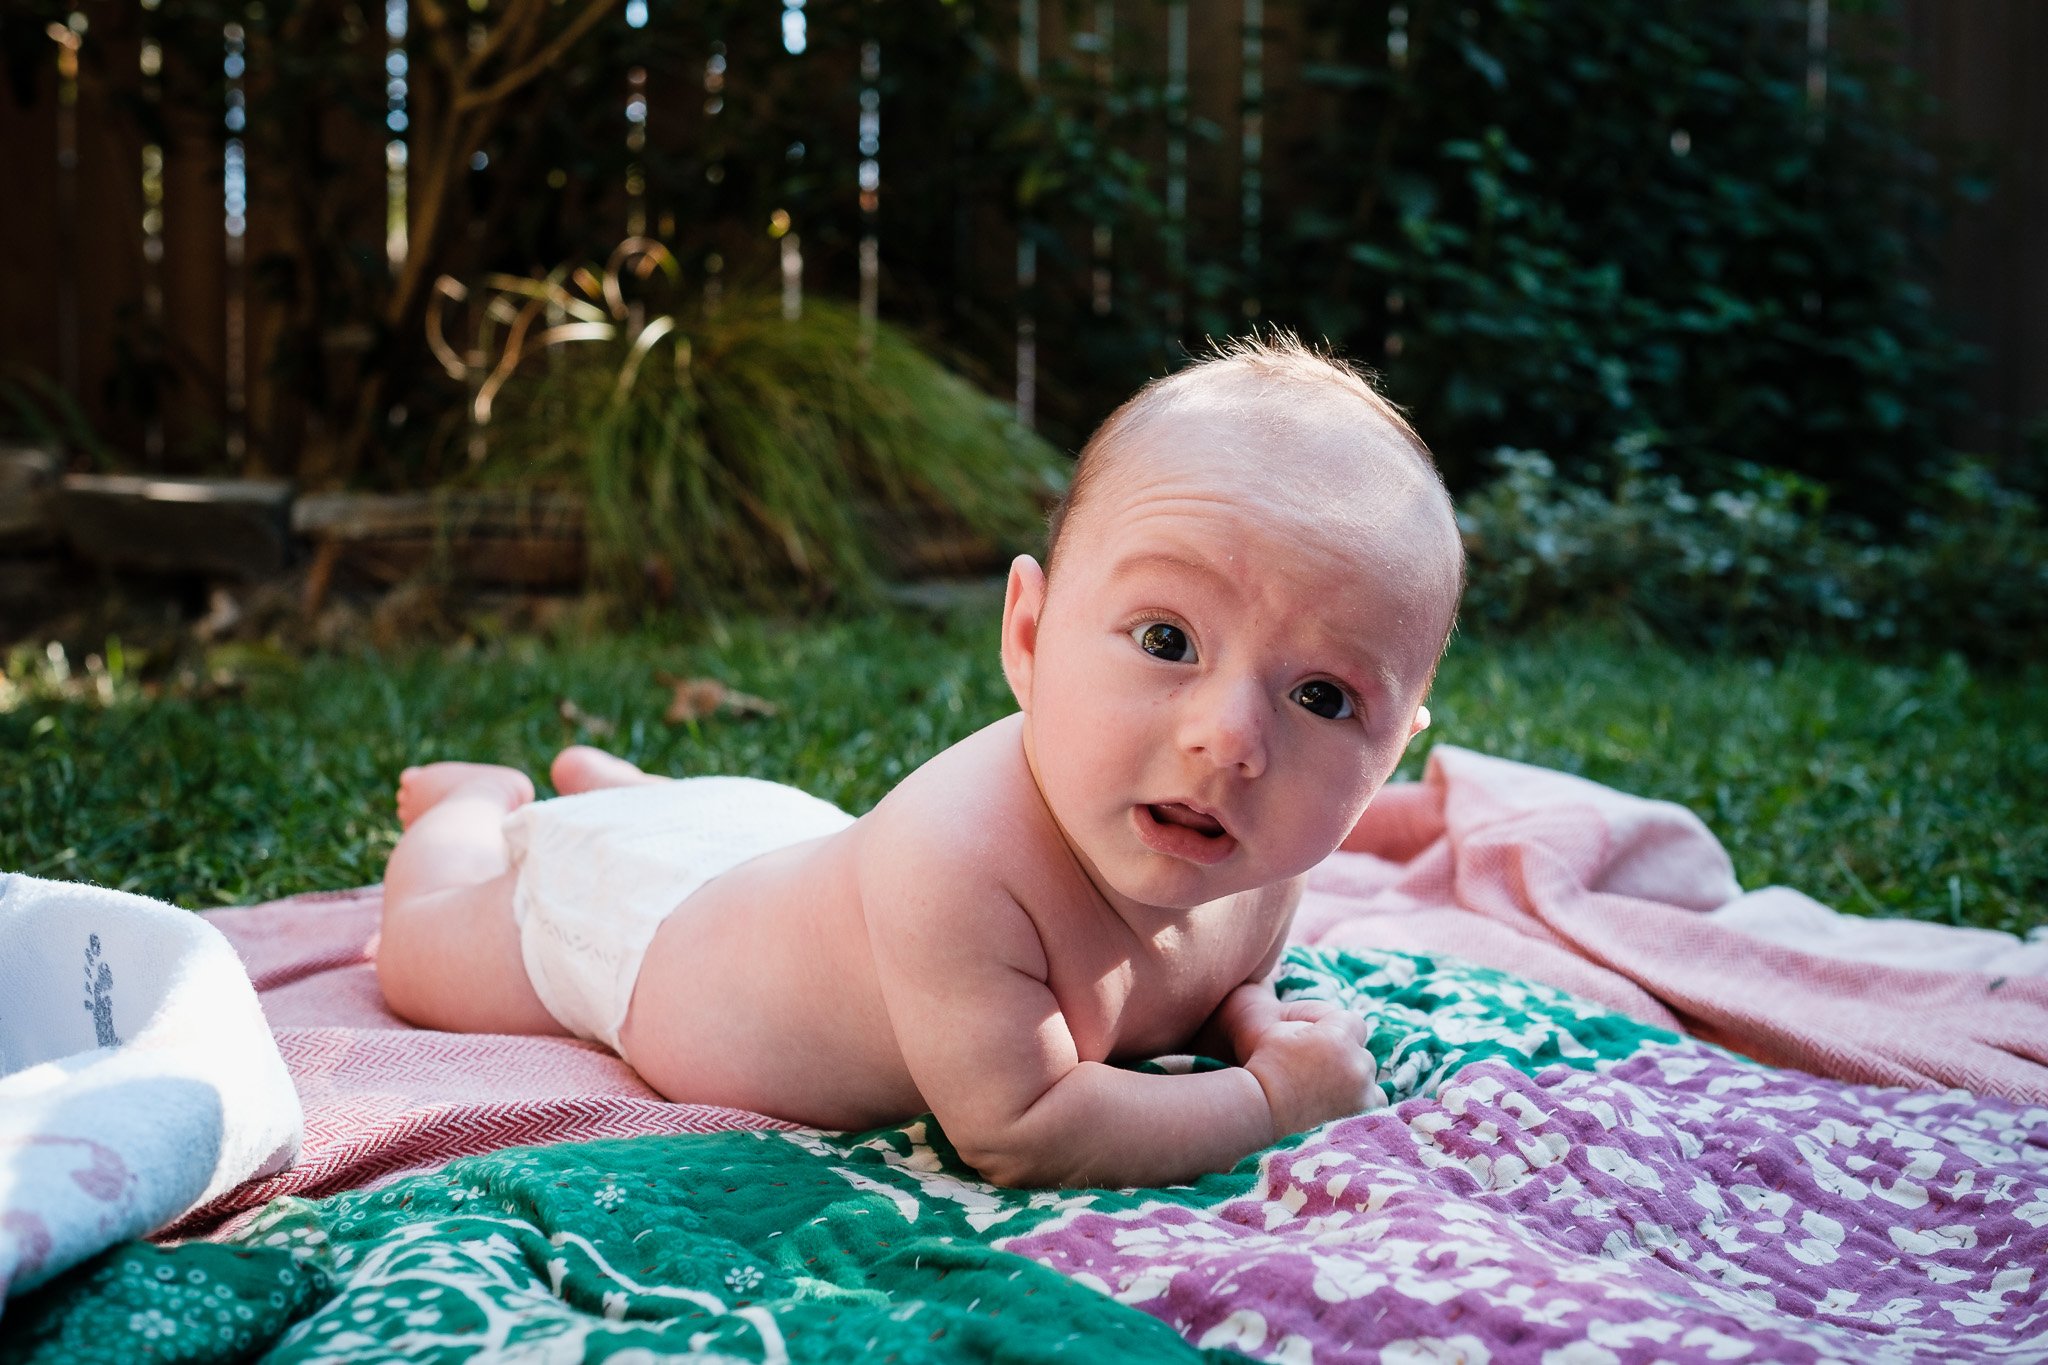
[
  {"x": 1163, "y": 641},
  {"x": 1325, "y": 699}
]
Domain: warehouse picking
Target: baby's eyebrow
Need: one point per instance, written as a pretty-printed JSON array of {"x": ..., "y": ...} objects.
[
  {"x": 1164, "y": 559},
  {"x": 1371, "y": 674},
  {"x": 1382, "y": 684}
]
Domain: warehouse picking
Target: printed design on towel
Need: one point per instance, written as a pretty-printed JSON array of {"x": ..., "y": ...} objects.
[
  {"x": 99, "y": 994},
  {"x": 1577, "y": 1189},
  {"x": 104, "y": 1176},
  {"x": 1681, "y": 1204}
]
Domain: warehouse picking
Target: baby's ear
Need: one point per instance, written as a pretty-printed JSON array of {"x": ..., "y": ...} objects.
[
  {"x": 1420, "y": 723},
  {"x": 1023, "y": 603}
]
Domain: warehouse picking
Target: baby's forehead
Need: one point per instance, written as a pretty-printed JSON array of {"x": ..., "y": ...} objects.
[
  {"x": 1329, "y": 458},
  {"x": 1245, "y": 532},
  {"x": 1276, "y": 406},
  {"x": 1331, "y": 490}
]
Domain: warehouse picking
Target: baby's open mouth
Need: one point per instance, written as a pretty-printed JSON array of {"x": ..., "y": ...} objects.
[{"x": 1174, "y": 813}]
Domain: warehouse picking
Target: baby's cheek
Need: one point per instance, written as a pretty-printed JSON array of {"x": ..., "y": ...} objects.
[
  {"x": 1360, "y": 784},
  {"x": 1314, "y": 835}
]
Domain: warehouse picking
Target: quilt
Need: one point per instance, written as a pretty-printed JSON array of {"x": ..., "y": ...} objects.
[{"x": 1544, "y": 1179}]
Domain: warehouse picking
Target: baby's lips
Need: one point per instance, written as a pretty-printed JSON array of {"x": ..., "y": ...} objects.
[
  {"x": 1187, "y": 816},
  {"x": 1203, "y": 845}
]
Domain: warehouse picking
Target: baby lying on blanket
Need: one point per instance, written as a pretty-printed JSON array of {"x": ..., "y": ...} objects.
[{"x": 1244, "y": 598}]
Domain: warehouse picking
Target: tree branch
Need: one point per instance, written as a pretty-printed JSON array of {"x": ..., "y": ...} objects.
[
  {"x": 541, "y": 61},
  {"x": 434, "y": 20},
  {"x": 512, "y": 32}
]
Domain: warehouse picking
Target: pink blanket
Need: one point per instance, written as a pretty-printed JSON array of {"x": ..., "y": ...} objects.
[
  {"x": 1605, "y": 895},
  {"x": 384, "y": 1099},
  {"x": 1531, "y": 871}
]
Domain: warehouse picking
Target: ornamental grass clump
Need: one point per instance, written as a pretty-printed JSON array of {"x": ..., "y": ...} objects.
[{"x": 745, "y": 458}]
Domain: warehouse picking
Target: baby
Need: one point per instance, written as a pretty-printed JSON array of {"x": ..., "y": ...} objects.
[{"x": 1244, "y": 598}]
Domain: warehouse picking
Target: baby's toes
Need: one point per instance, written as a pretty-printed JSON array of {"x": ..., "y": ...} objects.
[{"x": 408, "y": 802}]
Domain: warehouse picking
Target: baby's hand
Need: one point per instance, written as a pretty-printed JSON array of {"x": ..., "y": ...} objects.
[{"x": 1309, "y": 1056}]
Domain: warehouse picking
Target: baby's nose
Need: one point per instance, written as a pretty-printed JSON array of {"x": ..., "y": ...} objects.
[{"x": 1226, "y": 723}]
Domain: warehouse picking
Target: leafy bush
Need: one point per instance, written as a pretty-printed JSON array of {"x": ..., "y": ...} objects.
[
  {"x": 1759, "y": 565},
  {"x": 1581, "y": 221},
  {"x": 772, "y": 456}
]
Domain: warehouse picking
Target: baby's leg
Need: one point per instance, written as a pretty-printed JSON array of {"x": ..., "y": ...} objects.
[{"x": 449, "y": 954}]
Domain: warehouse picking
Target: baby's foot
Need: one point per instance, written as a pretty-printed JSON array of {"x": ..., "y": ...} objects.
[
  {"x": 580, "y": 768},
  {"x": 422, "y": 789}
]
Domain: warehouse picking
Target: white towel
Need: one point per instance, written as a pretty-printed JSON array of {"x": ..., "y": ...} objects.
[{"x": 138, "y": 1078}]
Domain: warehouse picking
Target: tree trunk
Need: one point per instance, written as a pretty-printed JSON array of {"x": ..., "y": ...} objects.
[{"x": 462, "y": 105}]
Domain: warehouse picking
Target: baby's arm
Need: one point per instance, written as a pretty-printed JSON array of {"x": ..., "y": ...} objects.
[{"x": 965, "y": 982}]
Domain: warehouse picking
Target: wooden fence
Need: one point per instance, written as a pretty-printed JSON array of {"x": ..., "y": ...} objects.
[{"x": 107, "y": 237}]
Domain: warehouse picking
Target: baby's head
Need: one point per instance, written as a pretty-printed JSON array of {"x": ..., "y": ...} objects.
[{"x": 1245, "y": 595}]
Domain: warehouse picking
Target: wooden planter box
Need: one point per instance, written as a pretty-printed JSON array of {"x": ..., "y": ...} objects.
[
  {"x": 252, "y": 530},
  {"x": 213, "y": 528},
  {"x": 512, "y": 539}
]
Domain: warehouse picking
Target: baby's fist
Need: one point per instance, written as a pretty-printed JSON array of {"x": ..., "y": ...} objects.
[{"x": 1313, "y": 1066}]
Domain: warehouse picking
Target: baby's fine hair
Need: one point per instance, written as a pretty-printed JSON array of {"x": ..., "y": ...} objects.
[{"x": 1277, "y": 357}]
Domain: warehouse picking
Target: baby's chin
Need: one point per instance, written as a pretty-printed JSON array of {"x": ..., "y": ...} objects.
[{"x": 1173, "y": 885}]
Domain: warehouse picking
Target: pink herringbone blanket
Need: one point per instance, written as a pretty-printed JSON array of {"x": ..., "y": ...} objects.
[
  {"x": 384, "y": 1099},
  {"x": 1618, "y": 899}
]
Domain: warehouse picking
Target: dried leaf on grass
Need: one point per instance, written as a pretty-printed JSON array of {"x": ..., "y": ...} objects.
[
  {"x": 223, "y": 614},
  {"x": 582, "y": 719},
  {"x": 693, "y": 699}
]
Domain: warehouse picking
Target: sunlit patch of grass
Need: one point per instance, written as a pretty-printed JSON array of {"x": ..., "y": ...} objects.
[{"x": 1912, "y": 790}]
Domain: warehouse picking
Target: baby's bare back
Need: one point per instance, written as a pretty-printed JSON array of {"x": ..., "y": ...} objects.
[
  {"x": 759, "y": 992},
  {"x": 762, "y": 990}
]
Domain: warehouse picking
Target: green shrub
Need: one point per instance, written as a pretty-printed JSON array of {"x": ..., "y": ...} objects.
[
  {"x": 1581, "y": 221},
  {"x": 1760, "y": 565},
  {"x": 1973, "y": 571}
]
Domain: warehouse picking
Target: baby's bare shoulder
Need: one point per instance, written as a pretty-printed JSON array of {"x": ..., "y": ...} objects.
[
  {"x": 973, "y": 805},
  {"x": 964, "y": 836}
]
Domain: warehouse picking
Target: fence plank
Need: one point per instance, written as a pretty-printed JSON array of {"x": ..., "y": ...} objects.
[
  {"x": 29, "y": 231},
  {"x": 1982, "y": 59},
  {"x": 116, "y": 387},
  {"x": 195, "y": 283}
]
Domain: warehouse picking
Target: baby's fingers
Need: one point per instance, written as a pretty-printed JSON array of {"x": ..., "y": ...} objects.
[
  {"x": 1350, "y": 1025},
  {"x": 1324, "y": 1011},
  {"x": 1246, "y": 1014},
  {"x": 1309, "y": 1011}
]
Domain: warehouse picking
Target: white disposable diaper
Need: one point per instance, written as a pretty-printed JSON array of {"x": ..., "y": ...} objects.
[{"x": 600, "y": 871}]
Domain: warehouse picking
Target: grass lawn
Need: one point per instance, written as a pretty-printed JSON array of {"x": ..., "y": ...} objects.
[{"x": 1887, "y": 789}]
